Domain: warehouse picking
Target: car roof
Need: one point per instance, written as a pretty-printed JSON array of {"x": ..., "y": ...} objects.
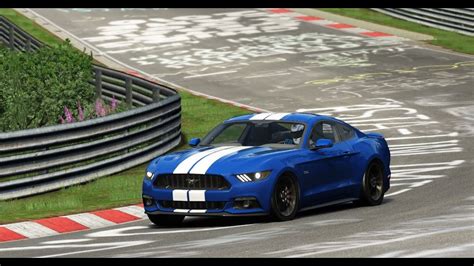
[{"x": 293, "y": 117}]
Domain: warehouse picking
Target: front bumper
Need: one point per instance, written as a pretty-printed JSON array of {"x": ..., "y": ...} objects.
[
  {"x": 182, "y": 200},
  {"x": 219, "y": 214}
]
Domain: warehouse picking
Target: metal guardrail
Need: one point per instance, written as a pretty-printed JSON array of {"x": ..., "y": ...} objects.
[
  {"x": 460, "y": 20},
  {"x": 16, "y": 38},
  {"x": 38, "y": 160}
]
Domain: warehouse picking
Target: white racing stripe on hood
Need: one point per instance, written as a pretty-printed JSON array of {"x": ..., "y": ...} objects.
[
  {"x": 260, "y": 116},
  {"x": 276, "y": 116},
  {"x": 187, "y": 164},
  {"x": 204, "y": 164}
]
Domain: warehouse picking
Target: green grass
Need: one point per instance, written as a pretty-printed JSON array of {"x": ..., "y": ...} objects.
[
  {"x": 446, "y": 39},
  {"x": 199, "y": 115},
  {"x": 30, "y": 26}
]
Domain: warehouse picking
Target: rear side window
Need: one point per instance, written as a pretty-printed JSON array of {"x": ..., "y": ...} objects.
[
  {"x": 323, "y": 130},
  {"x": 345, "y": 132}
]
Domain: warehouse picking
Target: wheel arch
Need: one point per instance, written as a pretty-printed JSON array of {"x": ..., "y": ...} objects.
[
  {"x": 377, "y": 160},
  {"x": 289, "y": 171}
]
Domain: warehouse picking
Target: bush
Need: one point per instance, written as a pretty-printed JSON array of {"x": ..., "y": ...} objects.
[{"x": 35, "y": 87}]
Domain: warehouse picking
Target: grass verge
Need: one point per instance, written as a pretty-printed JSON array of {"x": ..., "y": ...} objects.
[
  {"x": 199, "y": 115},
  {"x": 446, "y": 39},
  {"x": 30, "y": 26}
]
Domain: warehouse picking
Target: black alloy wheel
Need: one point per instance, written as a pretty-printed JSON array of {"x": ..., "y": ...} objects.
[
  {"x": 285, "y": 198},
  {"x": 372, "y": 185}
]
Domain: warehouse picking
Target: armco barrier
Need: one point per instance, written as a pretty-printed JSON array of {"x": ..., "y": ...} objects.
[
  {"x": 43, "y": 159},
  {"x": 460, "y": 20}
]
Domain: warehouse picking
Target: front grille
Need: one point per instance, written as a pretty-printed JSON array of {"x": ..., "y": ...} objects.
[
  {"x": 191, "y": 181},
  {"x": 205, "y": 205}
]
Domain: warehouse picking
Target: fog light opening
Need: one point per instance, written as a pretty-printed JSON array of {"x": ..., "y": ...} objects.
[
  {"x": 246, "y": 203},
  {"x": 147, "y": 201}
]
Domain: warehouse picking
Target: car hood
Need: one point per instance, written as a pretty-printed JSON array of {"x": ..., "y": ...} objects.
[{"x": 219, "y": 160}]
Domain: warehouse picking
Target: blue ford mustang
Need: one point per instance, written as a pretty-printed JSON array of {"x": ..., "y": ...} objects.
[{"x": 268, "y": 164}]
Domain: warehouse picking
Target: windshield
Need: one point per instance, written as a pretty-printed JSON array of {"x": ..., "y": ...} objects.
[{"x": 256, "y": 133}]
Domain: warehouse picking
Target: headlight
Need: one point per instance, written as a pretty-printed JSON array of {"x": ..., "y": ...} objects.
[
  {"x": 253, "y": 176},
  {"x": 149, "y": 175}
]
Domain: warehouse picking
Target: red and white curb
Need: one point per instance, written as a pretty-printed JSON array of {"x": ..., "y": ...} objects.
[
  {"x": 334, "y": 25},
  {"x": 71, "y": 223}
]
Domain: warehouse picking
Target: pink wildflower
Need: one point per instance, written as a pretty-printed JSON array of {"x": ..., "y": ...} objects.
[
  {"x": 113, "y": 104},
  {"x": 61, "y": 119},
  {"x": 80, "y": 111},
  {"x": 69, "y": 117},
  {"x": 99, "y": 108}
]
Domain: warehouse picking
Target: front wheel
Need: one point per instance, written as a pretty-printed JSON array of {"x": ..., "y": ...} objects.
[
  {"x": 372, "y": 192},
  {"x": 166, "y": 220},
  {"x": 285, "y": 198}
]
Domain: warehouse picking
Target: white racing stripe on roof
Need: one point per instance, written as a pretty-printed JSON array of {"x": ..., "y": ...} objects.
[
  {"x": 276, "y": 116},
  {"x": 188, "y": 163},
  {"x": 204, "y": 164},
  {"x": 260, "y": 116},
  {"x": 31, "y": 229}
]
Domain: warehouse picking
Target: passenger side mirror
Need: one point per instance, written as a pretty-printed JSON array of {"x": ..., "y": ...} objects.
[
  {"x": 194, "y": 142},
  {"x": 322, "y": 143}
]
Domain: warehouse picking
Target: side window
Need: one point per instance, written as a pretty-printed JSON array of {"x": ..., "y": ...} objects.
[
  {"x": 346, "y": 133},
  {"x": 323, "y": 130}
]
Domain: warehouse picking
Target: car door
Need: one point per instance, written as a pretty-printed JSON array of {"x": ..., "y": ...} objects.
[
  {"x": 326, "y": 168},
  {"x": 350, "y": 168}
]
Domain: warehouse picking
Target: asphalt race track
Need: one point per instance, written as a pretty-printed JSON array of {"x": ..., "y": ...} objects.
[{"x": 421, "y": 100}]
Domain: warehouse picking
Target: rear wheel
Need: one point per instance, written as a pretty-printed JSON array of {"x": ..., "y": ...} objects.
[
  {"x": 166, "y": 220},
  {"x": 285, "y": 198},
  {"x": 372, "y": 185}
]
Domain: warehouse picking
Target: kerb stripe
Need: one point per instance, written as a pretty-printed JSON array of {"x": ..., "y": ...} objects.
[
  {"x": 115, "y": 216},
  {"x": 61, "y": 224},
  {"x": 9, "y": 235},
  {"x": 90, "y": 220},
  {"x": 30, "y": 229}
]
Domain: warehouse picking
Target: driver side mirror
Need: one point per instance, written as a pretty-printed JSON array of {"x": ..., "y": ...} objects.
[
  {"x": 194, "y": 142},
  {"x": 322, "y": 143}
]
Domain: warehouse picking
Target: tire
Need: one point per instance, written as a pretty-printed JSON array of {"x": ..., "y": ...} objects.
[
  {"x": 166, "y": 220},
  {"x": 372, "y": 190},
  {"x": 285, "y": 198}
]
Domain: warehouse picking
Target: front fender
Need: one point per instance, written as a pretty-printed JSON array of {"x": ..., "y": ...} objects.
[{"x": 282, "y": 171}]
